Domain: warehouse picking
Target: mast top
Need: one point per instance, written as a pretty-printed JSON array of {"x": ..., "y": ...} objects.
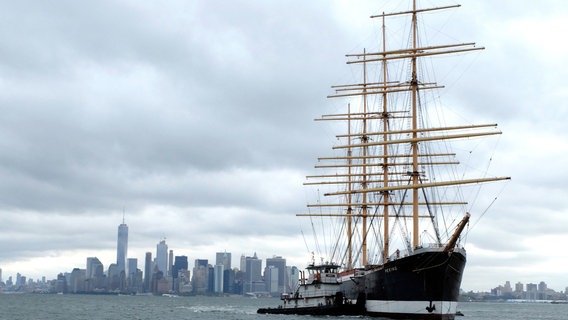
[{"x": 414, "y": 11}]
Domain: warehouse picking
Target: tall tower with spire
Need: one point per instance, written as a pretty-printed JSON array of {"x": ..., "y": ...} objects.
[
  {"x": 122, "y": 245},
  {"x": 162, "y": 256}
]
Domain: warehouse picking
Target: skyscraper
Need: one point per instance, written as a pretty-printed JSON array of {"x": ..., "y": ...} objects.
[
  {"x": 200, "y": 279},
  {"x": 243, "y": 263},
  {"x": 292, "y": 278},
  {"x": 147, "y": 271},
  {"x": 223, "y": 258},
  {"x": 94, "y": 268},
  {"x": 170, "y": 262},
  {"x": 179, "y": 270},
  {"x": 122, "y": 246},
  {"x": 218, "y": 278},
  {"x": 132, "y": 267},
  {"x": 271, "y": 279},
  {"x": 180, "y": 264},
  {"x": 133, "y": 276},
  {"x": 279, "y": 263},
  {"x": 253, "y": 274},
  {"x": 162, "y": 256}
]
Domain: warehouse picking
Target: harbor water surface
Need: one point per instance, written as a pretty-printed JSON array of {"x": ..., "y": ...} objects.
[{"x": 92, "y": 307}]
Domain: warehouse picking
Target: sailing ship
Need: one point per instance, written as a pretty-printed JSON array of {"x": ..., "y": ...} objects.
[{"x": 393, "y": 188}]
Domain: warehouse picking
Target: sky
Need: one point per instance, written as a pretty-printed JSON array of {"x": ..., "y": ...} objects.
[{"x": 193, "y": 121}]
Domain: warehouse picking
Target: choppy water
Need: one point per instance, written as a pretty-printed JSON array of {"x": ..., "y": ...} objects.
[{"x": 91, "y": 307}]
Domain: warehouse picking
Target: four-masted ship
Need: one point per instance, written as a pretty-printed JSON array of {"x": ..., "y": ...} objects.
[{"x": 393, "y": 187}]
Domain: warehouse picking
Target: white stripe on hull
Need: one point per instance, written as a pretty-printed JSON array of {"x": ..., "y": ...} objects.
[{"x": 387, "y": 307}]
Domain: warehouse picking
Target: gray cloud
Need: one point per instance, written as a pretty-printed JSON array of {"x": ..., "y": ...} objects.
[{"x": 197, "y": 117}]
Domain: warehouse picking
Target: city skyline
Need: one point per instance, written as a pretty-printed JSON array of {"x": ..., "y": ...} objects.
[
  {"x": 258, "y": 277},
  {"x": 162, "y": 248},
  {"x": 197, "y": 118},
  {"x": 528, "y": 290},
  {"x": 164, "y": 262}
]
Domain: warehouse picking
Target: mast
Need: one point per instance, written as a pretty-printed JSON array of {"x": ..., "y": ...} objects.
[
  {"x": 364, "y": 139},
  {"x": 385, "y": 154},
  {"x": 349, "y": 198},
  {"x": 414, "y": 145}
]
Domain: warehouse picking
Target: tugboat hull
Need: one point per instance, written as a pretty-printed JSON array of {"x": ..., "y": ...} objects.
[
  {"x": 337, "y": 306},
  {"x": 341, "y": 310}
]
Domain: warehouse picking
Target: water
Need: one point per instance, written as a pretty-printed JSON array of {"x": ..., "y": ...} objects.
[{"x": 91, "y": 307}]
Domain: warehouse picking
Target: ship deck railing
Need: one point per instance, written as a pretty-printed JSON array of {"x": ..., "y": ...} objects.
[
  {"x": 426, "y": 247},
  {"x": 310, "y": 294}
]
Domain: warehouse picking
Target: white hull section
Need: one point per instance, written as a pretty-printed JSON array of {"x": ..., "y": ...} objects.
[
  {"x": 314, "y": 295},
  {"x": 391, "y": 307}
]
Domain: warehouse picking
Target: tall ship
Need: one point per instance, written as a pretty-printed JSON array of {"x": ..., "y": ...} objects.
[{"x": 392, "y": 199}]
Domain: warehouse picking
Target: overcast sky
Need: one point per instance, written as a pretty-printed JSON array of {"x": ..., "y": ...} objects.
[{"x": 195, "y": 120}]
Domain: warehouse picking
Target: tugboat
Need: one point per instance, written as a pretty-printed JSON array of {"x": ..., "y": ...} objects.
[{"x": 318, "y": 294}]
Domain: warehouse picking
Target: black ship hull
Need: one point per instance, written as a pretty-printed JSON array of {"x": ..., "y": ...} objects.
[{"x": 424, "y": 285}]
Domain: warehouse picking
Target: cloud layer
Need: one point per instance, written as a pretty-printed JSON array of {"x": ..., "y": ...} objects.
[{"x": 196, "y": 120}]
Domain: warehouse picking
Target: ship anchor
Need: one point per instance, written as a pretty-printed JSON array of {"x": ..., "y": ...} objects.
[{"x": 431, "y": 308}]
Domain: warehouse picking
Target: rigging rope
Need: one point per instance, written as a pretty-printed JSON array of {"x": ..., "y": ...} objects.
[{"x": 487, "y": 209}]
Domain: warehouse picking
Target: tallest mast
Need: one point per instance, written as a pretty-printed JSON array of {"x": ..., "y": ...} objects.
[
  {"x": 414, "y": 144},
  {"x": 385, "y": 151}
]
